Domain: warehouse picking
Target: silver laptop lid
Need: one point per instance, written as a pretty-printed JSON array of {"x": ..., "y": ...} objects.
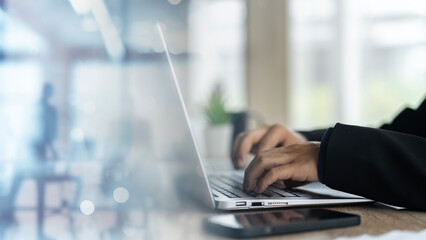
[{"x": 195, "y": 176}]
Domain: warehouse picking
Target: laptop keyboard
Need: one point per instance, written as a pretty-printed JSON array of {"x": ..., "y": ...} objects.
[{"x": 231, "y": 186}]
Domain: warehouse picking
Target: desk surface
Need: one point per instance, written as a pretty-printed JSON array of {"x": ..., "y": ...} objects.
[
  {"x": 183, "y": 220},
  {"x": 160, "y": 213},
  {"x": 374, "y": 221}
]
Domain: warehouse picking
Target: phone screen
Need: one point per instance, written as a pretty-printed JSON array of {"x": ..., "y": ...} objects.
[{"x": 283, "y": 221}]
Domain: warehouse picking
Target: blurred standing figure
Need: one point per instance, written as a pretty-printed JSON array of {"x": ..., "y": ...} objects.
[
  {"x": 46, "y": 126},
  {"x": 47, "y": 121}
]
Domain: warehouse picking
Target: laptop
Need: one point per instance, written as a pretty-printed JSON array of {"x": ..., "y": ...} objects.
[{"x": 224, "y": 189}]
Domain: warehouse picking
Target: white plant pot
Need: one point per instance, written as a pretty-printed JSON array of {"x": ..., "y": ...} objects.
[{"x": 218, "y": 140}]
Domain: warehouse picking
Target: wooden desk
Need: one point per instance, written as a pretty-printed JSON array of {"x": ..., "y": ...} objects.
[
  {"x": 375, "y": 220},
  {"x": 182, "y": 220},
  {"x": 163, "y": 212}
]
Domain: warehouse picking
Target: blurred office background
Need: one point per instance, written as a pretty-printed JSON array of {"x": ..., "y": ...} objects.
[
  {"x": 79, "y": 84},
  {"x": 358, "y": 62}
]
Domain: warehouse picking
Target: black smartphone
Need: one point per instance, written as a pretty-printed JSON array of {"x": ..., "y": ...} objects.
[{"x": 278, "y": 222}]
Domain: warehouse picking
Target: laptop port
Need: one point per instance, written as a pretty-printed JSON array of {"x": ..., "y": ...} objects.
[
  {"x": 256, "y": 204},
  {"x": 240, "y": 204}
]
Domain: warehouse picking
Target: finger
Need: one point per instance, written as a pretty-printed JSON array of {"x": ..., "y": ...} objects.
[
  {"x": 265, "y": 161},
  {"x": 261, "y": 164},
  {"x": 292, "y": 184},
  {"x": 236, "y": 146},
  {"x": 282, "y": 172},
  {"x": 246, "y": 143},
  {"x": 272, "y": 138}
]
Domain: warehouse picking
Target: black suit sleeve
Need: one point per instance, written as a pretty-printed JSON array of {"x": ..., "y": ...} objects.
[
  {"x": 379, "y": 164},
  {"x": 386, "y": 164}
]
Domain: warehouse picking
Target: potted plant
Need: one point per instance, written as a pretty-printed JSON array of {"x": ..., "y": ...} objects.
[{"x": 218, "y": 133}]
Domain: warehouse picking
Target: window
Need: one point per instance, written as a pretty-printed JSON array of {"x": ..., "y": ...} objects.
[
  {"x": 217, "y": 47},
  {"x": 357, "y": 62}
]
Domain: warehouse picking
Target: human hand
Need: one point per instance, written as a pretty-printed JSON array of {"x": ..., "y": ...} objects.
[
  {"x": 297, "y": 163},
  {"x": 262, "y": 139}
]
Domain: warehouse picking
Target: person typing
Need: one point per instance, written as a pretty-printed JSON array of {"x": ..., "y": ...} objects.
[{"x": 386, "y": 164}]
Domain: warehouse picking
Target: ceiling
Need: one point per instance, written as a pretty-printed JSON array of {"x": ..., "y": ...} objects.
[{"x": 58, "y": 25}]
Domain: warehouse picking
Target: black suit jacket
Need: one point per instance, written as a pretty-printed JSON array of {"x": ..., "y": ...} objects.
[{"x": 386, "y": 164}]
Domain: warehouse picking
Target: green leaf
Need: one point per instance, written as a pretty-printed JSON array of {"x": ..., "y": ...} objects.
[{"x": 215, "y": 109}]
